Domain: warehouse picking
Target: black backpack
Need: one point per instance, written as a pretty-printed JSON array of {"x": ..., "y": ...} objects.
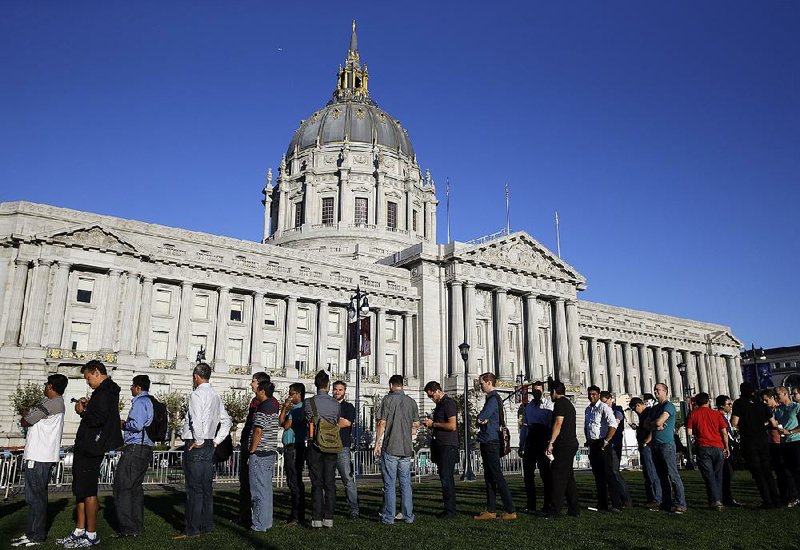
[{"x": 157, "y": 429}]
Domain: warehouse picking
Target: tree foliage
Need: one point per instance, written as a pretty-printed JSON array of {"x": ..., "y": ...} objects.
[
  {"x": 237, "y": 405},
  {"x": 26, "y": 397},
  {"x": 177, "y": 404},
  {"x": 472, "y": 416}
]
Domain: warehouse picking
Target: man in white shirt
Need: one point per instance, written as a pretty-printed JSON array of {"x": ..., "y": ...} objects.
[
  {"x": 600, "y": 425},
  {"x": 200, "y": 434},
  {"x": 45, "y": 423}
]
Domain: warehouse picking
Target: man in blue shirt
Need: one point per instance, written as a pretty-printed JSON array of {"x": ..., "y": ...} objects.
[
  {"x": 662, "y": 424},
  {"x": 292, "y": 420},
  {"x": 537, "y": 422},
  {"x": 136, "y": 456},
  {"x": 489, "y": 439}
]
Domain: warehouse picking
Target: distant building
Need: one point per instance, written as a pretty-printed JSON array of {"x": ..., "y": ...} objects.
[
  {"x": 779, "y": 367},
  {"x": 350, "y": 207}
]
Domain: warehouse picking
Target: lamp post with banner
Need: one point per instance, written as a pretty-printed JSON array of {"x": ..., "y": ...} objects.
[
  {"x": 688, "y": 392},
  {"x": 357, "y": 312},
  {"x": 469, "y": 474}
]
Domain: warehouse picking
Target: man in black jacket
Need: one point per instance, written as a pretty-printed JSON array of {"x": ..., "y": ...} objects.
[{"x": 98, "y": 433}]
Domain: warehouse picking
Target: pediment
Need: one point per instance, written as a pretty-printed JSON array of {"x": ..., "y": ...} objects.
[
  {"x": 519, "y": 251},
  {"x": 92, "y": 237},
  {"x": 725, "y": 338}
]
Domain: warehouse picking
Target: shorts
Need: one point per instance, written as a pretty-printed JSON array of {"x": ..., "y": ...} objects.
[{"x": 85, "y": 474}]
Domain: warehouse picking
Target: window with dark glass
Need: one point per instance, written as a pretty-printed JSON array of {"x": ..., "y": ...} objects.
[
  {"x": 391, "y": 215},
  {"x": 327, "y": 211},
  {"x": 298, "y": 214}
]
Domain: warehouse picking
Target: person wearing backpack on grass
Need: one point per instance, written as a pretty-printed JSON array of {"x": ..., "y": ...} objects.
[
  {"x": 322, "y": 416},
  {"x": 136, "y": 457}
]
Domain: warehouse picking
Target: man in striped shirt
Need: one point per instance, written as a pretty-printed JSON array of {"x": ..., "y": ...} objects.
[{"x": 263, "y": 452}]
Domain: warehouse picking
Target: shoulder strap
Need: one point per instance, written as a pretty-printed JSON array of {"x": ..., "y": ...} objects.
[
  {"x": 500, "y": 411},
  {"x": 314, "y": 413}
]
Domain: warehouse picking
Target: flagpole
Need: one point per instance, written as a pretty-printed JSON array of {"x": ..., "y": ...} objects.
[
  {"x": 508, "y": 213},
  {"x": 558, "y": 236},
  {"x": 447, "y": 194}
]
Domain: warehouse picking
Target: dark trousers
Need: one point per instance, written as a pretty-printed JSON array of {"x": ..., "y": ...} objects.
[
  {"x": 602, "y": 462},
  {"x": 198, "y": 469},
  {"x": 128, "y": 491},
  {"x": 790, "y": 452},
  {"x": 532, "y": 458},
  {"x": 786, "y": 488},
  {"x": 293, "y": 460},
  {"x": 710, "y": 461},
  {"x": 36, "y": 479},
  {"x": 446, "y": 459},
  {"x": 322, "y": 471},
  {"x": 245, "y": 510},
  {"x": 727, "y": 479},
  {"x": 493, "y": 478},
  {"x": 618, "y": 489},
  {"x": 757, "y": 459},
  {"x": 563, "y": 477}
]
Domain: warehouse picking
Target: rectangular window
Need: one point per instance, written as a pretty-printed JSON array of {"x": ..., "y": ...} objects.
[
  {"x": 197, "y": 342},
  {"x": 391, "y": 215},
  {"x": 85, "y": 290},
  {"x": 414, "y": 221},
  {"x": 269, "y": 355},
  {"x": 80, "y": 335},
  {"x": 163, "y": 299},
  {"x": 601, "y": 354},
  {"x": 200, "y": 307},
  {"x": 334, "y": 322},
  {"x": 333, "y": 360},
  {"x": 583, "y": 351},
  {"x": 234, "y": 352},
  {"x": 361, "y": 211},
  {"x": 327, "y": 211},
  {"x": 391, "y": 363},
  {"x": 270, "y": 315},
  {"x": 159, "y": 345},
  {"x": 480, "y": 365},
  {"x": 301, "y": 358},
  {"x": 302, "y": 318},
  {"x": 298, "y": 214},
  {"x": 511, "y": 343},
  {"x": 237, "y": 306},
  {"x": 391, "y": 330}
]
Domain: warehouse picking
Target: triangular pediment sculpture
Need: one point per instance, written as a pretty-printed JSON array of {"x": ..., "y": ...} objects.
[
  {"x": 91, "y": 236},
  {"x": 521, "y": 252},
  {"x": 725, "y": 338}
]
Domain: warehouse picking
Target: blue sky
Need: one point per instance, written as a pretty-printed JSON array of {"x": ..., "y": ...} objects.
[{"x": 664, "y": 133}]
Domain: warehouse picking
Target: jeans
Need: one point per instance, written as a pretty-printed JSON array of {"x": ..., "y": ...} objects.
[
  {"x": 261, "y": 470},
  {"x": 666, "y": 461},
  {"x": 245, "y": 512},
  {"x": 710, "y": 462},
  {"x": 293, "y": 459},
  {"x": 618, "y": 489},
  {"x": 36, "y": 479},
  {"x": 198, "y": 468},
  {"x": 447, "y": 457},
  {"x": 128, "y": 491},
  {"x": 493, "y": 478},
  {"x": 322, "y": 471},
  {"x": 396, "y": 468},
  {"x": 652, "y": 485},
  {"x": 344, "y": 465}
]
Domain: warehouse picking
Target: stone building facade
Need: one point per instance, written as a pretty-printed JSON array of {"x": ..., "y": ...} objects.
[{"x": 350, "y": 208}]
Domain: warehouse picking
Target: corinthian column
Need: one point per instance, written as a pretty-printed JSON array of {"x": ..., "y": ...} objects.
[
  {"x": 16, "y": 301},
  {"x": 111, "y": 307},
  {"x": 702, "y": 371},
  {"x": 631, "y": 382},
  {"x": 223, "y": 316},
  {"x": 142, "y": 335},
  {"x": 409, "y": 369},
  {"x": 501, "y": 330},
  {"x": 34, "y": 318},
  {"x": 731, "y": 365},
  {"x": 126, "y": 331},
  {"x": 675, "y": 375},
  {"x": 594, "y": 364},
  {"x": 574, "y": 341},
  {"x": 562, "y": 345},
  {"x": 456, "y": 326},
  {"x": 289, "y": 337},
  {"x": 532, "y": 337},
  {"x": 184, "y": 322},
  {"x": 613, "y": 374},
  {"x": 58, "y": 308},
  {"x": 661, "y": 372},
  {"x": 644, "y": 369},
  {"x": 322, "y": 334}
]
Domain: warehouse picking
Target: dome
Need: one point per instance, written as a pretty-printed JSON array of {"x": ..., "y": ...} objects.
[{"x": 355, "y": 121}]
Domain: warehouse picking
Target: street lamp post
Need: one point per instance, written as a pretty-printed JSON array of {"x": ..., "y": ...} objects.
[
  {"x": 358, "y": 308},
  {"x": 468, "y": 474},
  {"x": 756, "y": 355},
  {"x": 687, "y": 395}
]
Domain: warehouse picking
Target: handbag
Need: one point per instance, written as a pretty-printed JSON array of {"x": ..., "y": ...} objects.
[
  {"x": 224, "y": 450},
  {"x": 505, "y": 435}
]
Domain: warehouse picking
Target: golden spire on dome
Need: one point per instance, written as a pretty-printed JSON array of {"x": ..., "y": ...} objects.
[{"x": 353, "y": 80}]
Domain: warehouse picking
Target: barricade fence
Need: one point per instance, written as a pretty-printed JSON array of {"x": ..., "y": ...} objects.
[{"x": 166, "y": 468}]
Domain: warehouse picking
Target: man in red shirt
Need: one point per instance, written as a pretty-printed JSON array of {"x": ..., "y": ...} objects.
[{"x": 711, "y": 432}]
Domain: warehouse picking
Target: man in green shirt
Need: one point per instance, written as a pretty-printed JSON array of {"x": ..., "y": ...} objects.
[{"x": 662, "y": 422}]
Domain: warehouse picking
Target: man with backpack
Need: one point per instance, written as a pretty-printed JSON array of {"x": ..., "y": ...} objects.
[
  {"x": 325, "y": 443},
  {"x": 136, "y": 457}
]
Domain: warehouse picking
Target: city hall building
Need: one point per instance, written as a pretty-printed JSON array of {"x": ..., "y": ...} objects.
[{"x": 349, "y": 207}]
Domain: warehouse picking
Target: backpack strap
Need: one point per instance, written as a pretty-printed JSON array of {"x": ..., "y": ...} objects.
[{"x": 500, "y": 411}]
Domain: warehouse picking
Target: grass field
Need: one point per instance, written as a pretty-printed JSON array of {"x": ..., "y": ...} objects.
[{"x": 746, "y": 527}]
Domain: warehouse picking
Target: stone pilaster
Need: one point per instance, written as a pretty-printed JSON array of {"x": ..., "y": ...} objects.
[
  {"x": 289, "y": 339},
  {"x": 126, "y": 330},
  {"x": 502, "y": 369},
  {"x": 221, "y": 338},
  {"x": 562, "y": 344},
  {"x": 631, "y": 379},
  {"x": 111, "y": 308},
  {"x": 574, "y": 341},
  {"x": 409, "y": 366},
  {"x": 322, "y": 334},
  {"x": 58, "y": 307},
  {"x": 662, "y": 374},
  {"x": 456, "y": 326},
  {"x": 645, "y": 378},
  {"x": 257, "y": 332},
  {"x": 702, "y": 371},
  {"x": 470, "y": 327},
  {"x": 691, "y": 371},
  {"x": 613, "y": 369},
  {"x": 145, "y": 307},
  {"x": 34, "y": 308},
  {"x": 184, "y": 323},
  {"x": 379, "y": 342},
  {"x": 675, "y": 375},
  {"x": 594, "y": 364},
  {"x": 532, "y": 338},
  {"x": 380, "y": 202}
]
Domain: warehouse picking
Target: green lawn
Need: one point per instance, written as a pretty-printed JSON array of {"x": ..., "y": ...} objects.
[{"x": 700, "y": 528}]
